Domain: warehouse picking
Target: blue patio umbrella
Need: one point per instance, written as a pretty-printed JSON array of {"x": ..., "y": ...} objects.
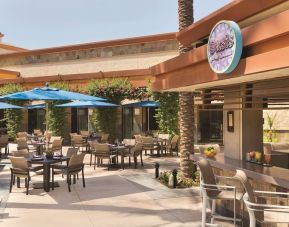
[
  {"x": 47, "y": 93},
  {"x": 4, "y": 105},
  {"x": 87, "y": 104},
  {"x": 144, "y": 104},
  {"x": 50, "y": 94},
  {"x": 36, "y": 106}
]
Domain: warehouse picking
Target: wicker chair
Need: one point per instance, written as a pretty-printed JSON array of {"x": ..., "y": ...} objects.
[
  {"x": 138, "y": 138},
  {"x": 79, "y": 142},
  {"x": 56, "y": 146},
  {"x": 262, "y": 212},
  {"x": 22, "y": 134},
  {"x": 104, "y": 138},
  {"x": 24, "y": 153},
  {"x": 71, "y": 137},
  {"x": 20, "y": 169},
  {"x": 135, "y": 152},
  {"x": 100, "y": 152},
  {"x": 37, "y": 132},
  {"x": 85, "y": 134},
  {"x": 148, "y": 144},
  {"x": 75, "y": 166},
  {"x": 4, "y": 142},
  {"x": 173, "y": 145},
  {"x": 211, "y": 190},
  {"x": 22, "y": 143}
]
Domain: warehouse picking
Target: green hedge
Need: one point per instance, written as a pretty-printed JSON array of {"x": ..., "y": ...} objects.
[
  {"x": 115, "y": 90},
  {"x": 12, "y": 117}
]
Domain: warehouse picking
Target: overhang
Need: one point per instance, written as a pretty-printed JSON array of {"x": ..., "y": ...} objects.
[{"x": 266, "y": 49}]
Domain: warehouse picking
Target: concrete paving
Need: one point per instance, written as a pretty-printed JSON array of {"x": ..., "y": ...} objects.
[{"x": 130, "y": 197}]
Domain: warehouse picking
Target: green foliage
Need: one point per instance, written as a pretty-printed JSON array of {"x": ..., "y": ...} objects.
[
  {"x": 12, "y": 117},
  {"x": 115, "y": 90},
  {"x": 183, "y": 182},
  {"x": 167, "y": 113},
  {"x": 270, "y": 134},
  {"x": 57, "y": 116}
]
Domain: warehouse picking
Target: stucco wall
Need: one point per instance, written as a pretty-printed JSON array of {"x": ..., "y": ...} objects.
[{"x": 126, "y": 62}]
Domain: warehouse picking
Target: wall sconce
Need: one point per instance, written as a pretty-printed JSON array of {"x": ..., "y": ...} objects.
[{"x": 230, "y": 121}]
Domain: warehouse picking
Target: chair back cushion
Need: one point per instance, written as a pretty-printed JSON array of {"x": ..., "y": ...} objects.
[
  {"x": 21, "y": 153},
  {"x": 280, "y": 146},
  {"x": 19, "y": 163},
  {"x": 76, "y": 160},
  {"x": 137, "y": 137},
  {"x": 104, "y": 138},
  {"x": 4, "y": 139},
  {"x": 22, "y": 134},
  {"x": 85, "y": 133},
  {"x": 174, "y": 141},
  {"x": 21, "y": 143},
  {"x": 208, "y": 177},
  {"x": 242, "y": 177},
  {"x": 101, "y": 148},
  {"x": 164, "y": 136},
  {"x": 71, "y": 151},
  {"x": 147, "y": 140},
  {"x": 129, "y": 142}
]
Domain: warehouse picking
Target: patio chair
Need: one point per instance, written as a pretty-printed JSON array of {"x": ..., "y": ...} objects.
[
  {"x": 173, "y": 145},
  {"x": 22, "y": 134},
  {"x": 262, "y": 212},
  {"x": 56, "y": 145},
  {"x": 37, "y": 132},
  {"x": 24, "y": 153},
  {"x": 211, "y": 190},
  {"x": 79, "y": 142},
  {"x": 20, "y": 169},
  {"x": 148, "y": 144},
  {"x": 48, "y": 135},
  {"x": 75, "y": 166},
  {"x": 70, "y": 151},
  {"x": 104, "y": 138},
  {"x": 71, "y": 137},
  {"x": 135, "y": 152},
  {"x": 22, "y": 143},
  {"x": 102, "y": 151},
  {"x": 137, "y": 138},
  {"x": 85, "y": 134},
  {"x": 4, "y": 142}
]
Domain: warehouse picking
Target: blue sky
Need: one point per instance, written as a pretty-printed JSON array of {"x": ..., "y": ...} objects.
[{"x": 40, "y": 23}]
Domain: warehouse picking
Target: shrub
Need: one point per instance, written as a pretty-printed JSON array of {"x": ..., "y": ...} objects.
[
  {"x": 115, "y": 90},
  {"x": 12, "y": 117}
]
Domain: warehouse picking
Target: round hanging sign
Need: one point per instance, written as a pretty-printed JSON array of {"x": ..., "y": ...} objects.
[{"x": 225, "y": 46}]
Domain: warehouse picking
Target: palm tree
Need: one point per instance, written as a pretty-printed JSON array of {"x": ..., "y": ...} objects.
[{"x": 186, "y": 99}]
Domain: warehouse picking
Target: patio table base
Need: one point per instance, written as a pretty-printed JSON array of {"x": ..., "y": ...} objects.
[{"x": 39, "y": 185}]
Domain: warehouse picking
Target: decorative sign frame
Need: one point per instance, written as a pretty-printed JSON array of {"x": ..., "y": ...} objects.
[{"x": 225, "y": 47}]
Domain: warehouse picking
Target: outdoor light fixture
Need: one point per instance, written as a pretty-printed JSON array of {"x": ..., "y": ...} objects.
[{"x": 230, "y": 121}]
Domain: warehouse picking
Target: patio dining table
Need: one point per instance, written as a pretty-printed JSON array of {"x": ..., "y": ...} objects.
[{"x": 46, "y": 162}]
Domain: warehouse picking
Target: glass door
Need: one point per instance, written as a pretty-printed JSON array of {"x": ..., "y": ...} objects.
[{"x": 82, "y": 119}]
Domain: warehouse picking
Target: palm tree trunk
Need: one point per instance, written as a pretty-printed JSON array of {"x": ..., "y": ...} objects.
[{"x": 186, "y": 99}]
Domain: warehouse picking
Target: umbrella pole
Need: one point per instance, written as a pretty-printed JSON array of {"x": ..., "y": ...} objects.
[
  {"x": 47, "y": 142},
  {"x": 148, "y": 119}
]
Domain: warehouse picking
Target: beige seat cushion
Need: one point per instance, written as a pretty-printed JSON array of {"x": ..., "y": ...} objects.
[
  {"x": 280, "y": 146},
  {"x": 280, "y": 216}
]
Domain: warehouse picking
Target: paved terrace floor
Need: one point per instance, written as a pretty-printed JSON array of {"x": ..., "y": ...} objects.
[{"x": 130, "y": 197}]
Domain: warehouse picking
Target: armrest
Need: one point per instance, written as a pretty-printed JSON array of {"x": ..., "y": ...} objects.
[
  {"x": 218, "y": 187},
  {"x": 283, "y": 194}
]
